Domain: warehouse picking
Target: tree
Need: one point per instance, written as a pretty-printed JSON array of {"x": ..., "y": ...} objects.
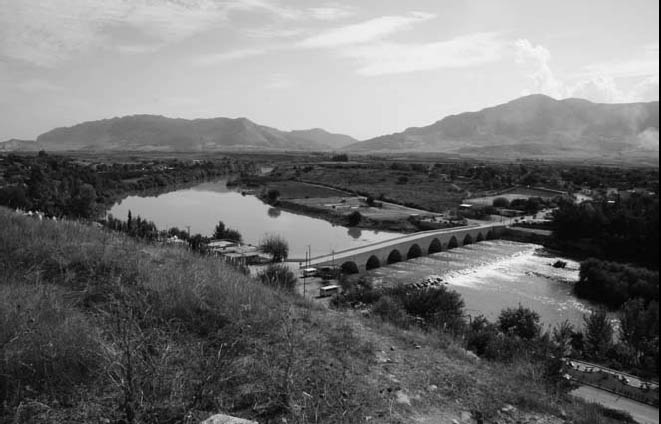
[
  {"x": 501, "y": 202},
  {"x": 598, "y": 334},
  {"x": 222, "y": 232},
  {"x": 563, "y": 334},
  {"x": 639, "y": 327},
  {"x": 272, "y": 196},
  {"x": 276, "y": 246},
  {"x": 354, "y": 218},
  {"x": 279, "y": 277},
  {"x": 521, "y": 322}
]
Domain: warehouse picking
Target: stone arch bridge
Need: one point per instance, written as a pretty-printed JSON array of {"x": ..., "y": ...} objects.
[{"x": 410, "y": 246}]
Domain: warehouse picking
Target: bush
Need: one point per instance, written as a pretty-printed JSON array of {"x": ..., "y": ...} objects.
[
  {"x": 501, "y": 202},
  {"x": 390, "y": 310},
  {"x": 222, "y": 232},
  {"x": 612, "y": 284},
  {"x": 521, "y": 322},
  {"x": 598, "y": 334},
  {"x": 276, "y": 246},
  {"x": 279, "y": 277},
  {"x": 354, "y": 218}
]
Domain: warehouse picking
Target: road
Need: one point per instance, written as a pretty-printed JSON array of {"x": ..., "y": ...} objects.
[
  {"x": 337, "y": 256},
  {"x": 642, "y": 413}
]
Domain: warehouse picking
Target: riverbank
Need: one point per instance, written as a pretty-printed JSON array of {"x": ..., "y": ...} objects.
[{"x": 336, "y": 206}]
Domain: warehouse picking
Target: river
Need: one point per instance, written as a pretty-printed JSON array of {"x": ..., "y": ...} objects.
[
  {"x": 498, "y": 274},
  {"x": 490, "y": 275},
  {"x": 202, "y": 206}
]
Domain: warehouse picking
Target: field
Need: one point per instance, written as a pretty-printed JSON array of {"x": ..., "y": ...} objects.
[{"x": 513, "y": 194}]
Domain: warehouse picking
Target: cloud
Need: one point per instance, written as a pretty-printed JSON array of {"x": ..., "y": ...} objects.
[
  {"x": 596, "y": 82},
  {"x": 279, "y": 81},
  {"x": 395, "y": 58},
  {"x": 216, "y": 58},
  {"x": 45, "y": 33},
  {"x": 331, "y": 13},
  {"x": 647, "y": 64},
  {"x": 38, "y": 86},
  {"x": 536, "y": 59},
  {"x": 139, "y": 48},
  {"x": 364, "y": 32}
]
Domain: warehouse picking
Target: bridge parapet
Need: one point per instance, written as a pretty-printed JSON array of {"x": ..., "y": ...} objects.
[{"x": 410, "y": 246}]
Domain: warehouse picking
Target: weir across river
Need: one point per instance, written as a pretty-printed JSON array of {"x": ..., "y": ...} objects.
[{"x": 409, "y": 246}]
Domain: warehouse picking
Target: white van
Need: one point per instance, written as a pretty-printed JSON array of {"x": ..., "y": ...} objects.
[
  {"x": 309, "y": 272},
  {"x": 329, "y": 291}
]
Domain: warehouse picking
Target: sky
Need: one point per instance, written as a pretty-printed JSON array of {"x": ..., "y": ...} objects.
[{"x": 362, "y": 67}]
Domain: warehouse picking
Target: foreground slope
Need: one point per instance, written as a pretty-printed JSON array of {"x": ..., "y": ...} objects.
[
  {"x": 95, "y": 327},
  {"x": 535, "y": 125},
  {"x": 153, "y": 132}
]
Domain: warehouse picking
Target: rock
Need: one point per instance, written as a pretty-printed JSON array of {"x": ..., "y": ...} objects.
[
  {"x": 466, "y": 416},
  {"x": 508, "y": 409},
  {"x": 401, "y": 397},
  {"x": 432, "y": 388},
  {"x": 226, "y": 419}
]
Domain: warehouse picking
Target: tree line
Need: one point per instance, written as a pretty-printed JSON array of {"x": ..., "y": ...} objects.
[{"x": 64, "y": 187}]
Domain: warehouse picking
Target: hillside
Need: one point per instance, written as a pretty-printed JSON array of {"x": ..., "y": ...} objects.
[
  {"x": 96, "y": 327},
  {"x": 159, "y": 133},
  {"x": 535, "y": 125},
  {"x": 18, "y": 145}
]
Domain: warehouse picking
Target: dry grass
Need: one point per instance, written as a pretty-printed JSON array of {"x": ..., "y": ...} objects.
[{"x": 95, "y": 327}]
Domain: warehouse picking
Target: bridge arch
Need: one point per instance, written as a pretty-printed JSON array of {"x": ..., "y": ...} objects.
[
  {"x": 490, "y": 235},
  {"x": 453, "y": 243},
  {"x": 349, "y": 267},
  {"x": 394, "y": 257},
  {"x": 480, "y": 237},
  {"x": 435, "y": 246},
  {"x": 468, "y": 240},
  {"x": 372, "y": 262},
  {"x": 414, "y": 252}
]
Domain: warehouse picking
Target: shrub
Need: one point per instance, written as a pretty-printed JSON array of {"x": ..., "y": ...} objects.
[
  {"x": 279, "y": 277},
  {"x": 222, "y": 232},
  {"x": 390, "y": 310},
  {"x": 276, "y": 246},
  {"x": 354, "y": 218},
  {"x": 501, "y": 202},
  {"x": 521, "y": 322},
  {"x": 598, "y": 334}
]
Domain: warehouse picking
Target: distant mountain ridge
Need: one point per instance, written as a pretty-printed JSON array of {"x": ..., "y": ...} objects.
[
  {"x": 527, "y": 127},
  {"x": 155, "y": 132},
  {"x": 535, "y": 125}
]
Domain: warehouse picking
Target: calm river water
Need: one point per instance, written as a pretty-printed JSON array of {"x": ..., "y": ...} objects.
[{"x": 202, "y": 206}]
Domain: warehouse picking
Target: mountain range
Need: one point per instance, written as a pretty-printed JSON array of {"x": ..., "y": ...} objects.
[
  {"x": 530, "y": 126},
  {"x": 533, "y": 125}
]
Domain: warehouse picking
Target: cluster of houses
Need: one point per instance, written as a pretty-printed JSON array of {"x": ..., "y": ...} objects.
[{"x": 232, "y": 251}]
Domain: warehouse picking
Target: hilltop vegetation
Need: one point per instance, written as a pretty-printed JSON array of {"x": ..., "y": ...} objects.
[
  {"x": 61, "y": 186},
  {"x": 97, "y": 327}
]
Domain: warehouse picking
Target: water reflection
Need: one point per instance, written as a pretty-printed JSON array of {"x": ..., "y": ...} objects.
[
  {"x": 274, "y": 212},
  {"x": 202, "y": 206},
  {"x": 355, "y": 232}
]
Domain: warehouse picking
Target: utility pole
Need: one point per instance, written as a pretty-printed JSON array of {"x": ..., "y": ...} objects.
[{"x": 305, "y": 273}]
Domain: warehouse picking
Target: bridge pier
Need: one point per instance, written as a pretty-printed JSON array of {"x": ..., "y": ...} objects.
[{"x": 362, "y": 259}]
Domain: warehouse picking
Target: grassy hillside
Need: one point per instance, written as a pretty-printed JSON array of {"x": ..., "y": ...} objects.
[{"x": 98, "y": 328}]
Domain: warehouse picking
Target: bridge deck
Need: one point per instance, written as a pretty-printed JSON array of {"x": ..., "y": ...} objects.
[{"x": 348, "y": 253}]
